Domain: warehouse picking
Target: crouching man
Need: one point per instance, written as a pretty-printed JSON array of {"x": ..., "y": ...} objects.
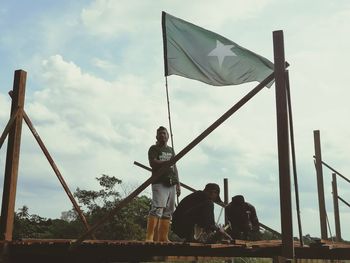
[
  {"x": 243, "y": 220},
  {"x": 193, "y": 218}
]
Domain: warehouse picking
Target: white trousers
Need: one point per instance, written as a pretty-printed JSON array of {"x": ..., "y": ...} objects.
[{"x": 163, "y": 201}]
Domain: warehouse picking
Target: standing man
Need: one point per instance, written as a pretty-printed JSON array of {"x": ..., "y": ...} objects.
[{"x": 163, "y": 189}]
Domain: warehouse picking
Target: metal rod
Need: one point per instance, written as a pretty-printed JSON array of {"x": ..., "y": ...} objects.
[
  {"x": 176, "y": 158},
  {"x": 320, "y": 186},
  {"x": 341, "y": 199},
  {"x": 194, "y": 190},
  {"x": 295, "y": 175},
  {"x": 283, "y": 146},
  {"x": 329, "y": 228},
  {"x": 332, "y": 169},
  {"x": 12, "y": 157},
  {"x": 8, "y": 127},
  {"x": 336, "y": 207}
]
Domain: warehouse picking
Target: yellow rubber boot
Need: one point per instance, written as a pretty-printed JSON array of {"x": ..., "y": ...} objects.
[
  {"x": 164, "y": 230},
  {"x": 156, "y": 232},
  {"x": 152, "y": 222}
]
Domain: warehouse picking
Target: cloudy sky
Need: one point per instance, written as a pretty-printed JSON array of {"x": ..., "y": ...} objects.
[{"x": 96, "y": 93}]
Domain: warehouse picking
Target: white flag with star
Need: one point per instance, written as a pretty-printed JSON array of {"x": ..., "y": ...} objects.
[{"x": 196, "y": 53}]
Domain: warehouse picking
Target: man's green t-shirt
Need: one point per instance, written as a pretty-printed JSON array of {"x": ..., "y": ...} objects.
[{"x": 163, "y": 153}]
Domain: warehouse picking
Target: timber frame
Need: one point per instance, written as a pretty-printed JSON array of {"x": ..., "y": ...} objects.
[
  {"x": 319, "y": 163},
  {"x": 70, "y": 249}
]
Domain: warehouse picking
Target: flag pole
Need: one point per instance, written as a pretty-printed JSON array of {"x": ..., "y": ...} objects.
[
  {"x": 169, "y": 116},
  {"x": 170, "y": 128}
]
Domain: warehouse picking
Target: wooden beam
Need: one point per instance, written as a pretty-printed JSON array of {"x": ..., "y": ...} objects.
[
  {"x": 57, "y": 172},
  {"x": 226, "y": 201},
  {"x": 283, "y": 145},
  {"x": 12, "y": 157},
  {"x": 7, "y": 128},
  {"x": 336, "y": 208},
  {"x": 341, "y": 199},
  {"x": 335, "y": 171},
  {"x": 136, "y": 251},
  {"x": 320, "y": 188}
]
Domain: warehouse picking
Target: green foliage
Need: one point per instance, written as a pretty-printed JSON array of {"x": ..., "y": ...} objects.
[
  {"x": 129, "y": 223},
  {"x": 34, "y": 226}
]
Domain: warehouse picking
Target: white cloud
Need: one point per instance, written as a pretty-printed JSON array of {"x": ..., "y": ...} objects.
[
  {"x": 109, "y": 18},
  {"x": 104, "y": 64}
]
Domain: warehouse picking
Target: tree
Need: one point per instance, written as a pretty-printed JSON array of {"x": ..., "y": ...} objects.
[{"x": 129, "y": 223}]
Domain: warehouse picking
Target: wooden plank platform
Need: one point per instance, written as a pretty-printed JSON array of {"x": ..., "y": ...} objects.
[{"x": 59, "y": 250}]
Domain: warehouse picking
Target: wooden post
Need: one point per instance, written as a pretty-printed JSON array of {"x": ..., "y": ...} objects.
[
  {"x": 225, "y": 197},
  {"x": 336, "y": 208},
  {"x": 283, "y": 146},
  {"x": 320, "y": 189},
  {"x": 12, "y": 157}
]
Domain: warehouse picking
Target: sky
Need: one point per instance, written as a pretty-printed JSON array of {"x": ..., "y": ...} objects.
[{"x": 96, "y": 94}]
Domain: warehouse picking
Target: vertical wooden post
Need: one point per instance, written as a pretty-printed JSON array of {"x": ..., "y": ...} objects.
[
  {"x": 12, "y": 157},
  {"x": 336, "y": 208},
  {"x": 225, "y": 196},
  {"x": 283, "y": 146},
  {"x": 320, "y": 189}
]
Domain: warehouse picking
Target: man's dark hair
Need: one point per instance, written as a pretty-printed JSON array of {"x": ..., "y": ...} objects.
[{"x": 162, "y": 128}]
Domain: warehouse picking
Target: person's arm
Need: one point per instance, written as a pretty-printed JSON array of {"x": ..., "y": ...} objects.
[
  {"x": 154, "y": 162},
  {"x": 178, "y": 185},
  {"x": 208, "y": 216},
  {"x": 254, "y": 218}
]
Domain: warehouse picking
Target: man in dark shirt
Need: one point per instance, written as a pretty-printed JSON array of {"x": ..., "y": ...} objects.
[
  {"x": 196, "y": 210},
  {"x": 244, "y": 223},
  {"x": 163, "y": 189}
]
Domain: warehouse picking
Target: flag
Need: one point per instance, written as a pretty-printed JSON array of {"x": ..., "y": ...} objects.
[{"x": 196, "y": 53}]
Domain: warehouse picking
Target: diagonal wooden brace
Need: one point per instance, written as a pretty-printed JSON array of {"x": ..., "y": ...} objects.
[
  {"x": 55, "y": 169},
  {"x": 176, "y": 158},
  {"x": 8, "y": 127}
]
